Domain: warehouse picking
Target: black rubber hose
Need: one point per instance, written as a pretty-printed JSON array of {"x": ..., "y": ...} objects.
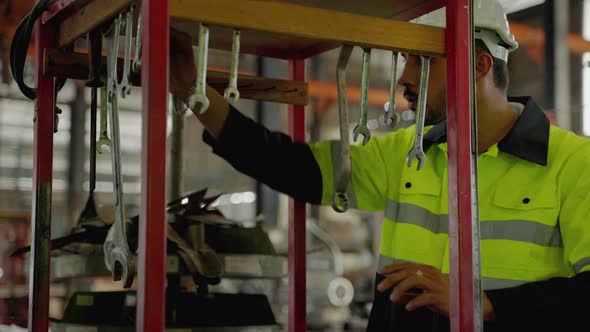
[{"x": 20, "y": 45}]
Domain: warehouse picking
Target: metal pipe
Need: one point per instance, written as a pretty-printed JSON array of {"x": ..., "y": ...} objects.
[
  {"x": 151, "y": 277},
  {"x": 39, "y": 276},
  {"x": 297, "y": 276}
]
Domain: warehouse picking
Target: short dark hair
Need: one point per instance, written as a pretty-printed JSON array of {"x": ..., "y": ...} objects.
[{"x": 500, "y": 67}]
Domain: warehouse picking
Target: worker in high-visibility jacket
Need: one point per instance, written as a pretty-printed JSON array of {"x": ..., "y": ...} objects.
[{"x": 534, "y": 201}]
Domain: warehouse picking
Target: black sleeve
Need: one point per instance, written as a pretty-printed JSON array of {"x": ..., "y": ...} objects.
[
  {"x": 557, "y": 304},
  {"x": 269, "y": 157}
]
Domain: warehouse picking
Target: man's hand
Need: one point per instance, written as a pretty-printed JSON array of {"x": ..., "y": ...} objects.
[
  {"x": 435, "y": 287},
  {"x": 183, "y": 71}
]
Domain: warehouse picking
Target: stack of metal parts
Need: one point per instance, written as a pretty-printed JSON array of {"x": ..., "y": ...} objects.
[{"x": 201, "y": 242}]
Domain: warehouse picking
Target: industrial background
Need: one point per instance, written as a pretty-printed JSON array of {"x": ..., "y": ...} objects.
[{"x": 552, "y": 64}]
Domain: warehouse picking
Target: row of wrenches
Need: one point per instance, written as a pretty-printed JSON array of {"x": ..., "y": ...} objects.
[
  {"x": 340, "y": 199},
  {"x": 118, "y": 258},
  {"x": 198, "y": 100}
]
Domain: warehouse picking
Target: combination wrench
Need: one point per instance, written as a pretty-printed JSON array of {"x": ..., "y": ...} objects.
[
  {"x": 391, "y": 118},
  {"x": 118, "y": 258},
  {"x": 340, "y": 201},
  {"x": 125, "y": 85},
  {"x": 362, "y": 128},
  {"x": 136, "y": 66},
  {"x": 103, "y": 140},
  {"x": 231, "y": 93},
  {"x": 199, "y": 95},
  {"x": 417, "y": 150}
]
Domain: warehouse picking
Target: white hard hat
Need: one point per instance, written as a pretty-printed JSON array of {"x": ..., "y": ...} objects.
[{"x": 491, "y": 26}]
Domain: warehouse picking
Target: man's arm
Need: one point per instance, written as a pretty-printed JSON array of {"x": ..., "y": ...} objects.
[{"x": 270, "y": 157}]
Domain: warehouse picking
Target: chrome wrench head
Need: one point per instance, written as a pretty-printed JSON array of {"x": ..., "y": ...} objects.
[
  {"x": 417, "y": 150},
  {"x": 125, "y": 85},
  {"x": 231, "y": 93},
  {"x": 118, "y": 258},
  {"x": 391, "y": 118},
  {"x": 199, "y": 95},
  {"x": 340, "y": 202},
  {"x": 362, "y": 128}
]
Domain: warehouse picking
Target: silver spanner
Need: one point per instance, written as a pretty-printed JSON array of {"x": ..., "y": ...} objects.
[
  {"x": 417, "y": 150},
  {"x": 136, "y": 66},
  {"x": 340, "y": 202},
  {"x": 118, "y": 258},
  {"x": 199, "y": 95},
  {"x": 231, "y": 93},
  {"x": 104, "y": 138},
  {"x": 391, "y": 118},
  {"x": 125, "y": 86},
  {"x": 362, "y": 128}
]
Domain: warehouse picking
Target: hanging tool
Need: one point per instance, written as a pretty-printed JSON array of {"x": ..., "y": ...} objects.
[
  {"x": 199, "y": 95},
  {"x": 391, "y": 117},
  {"x": 136, "y": 67},
  {"x": 104, "y": 137},
  {"x": 89, "y": 214},
  {"x": 417, "y": 150},
  {"x": 231, "y": 93},
  {"x": 362, "y": 128},
  {"x": 125, "y": 85},
  {"x": 118, "y": 258},
  {"x": 340, "y": 201}
]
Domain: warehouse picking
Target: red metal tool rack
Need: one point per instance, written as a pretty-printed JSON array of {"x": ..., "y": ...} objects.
[{"x": 66, "y": 21}]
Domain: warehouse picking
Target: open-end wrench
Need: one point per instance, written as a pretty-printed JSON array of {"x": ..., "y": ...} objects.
[
  {"x": 125, "y": 86},
  {"x": 199, "y": 95},
  {"x": 340, "y": 201},
  {"x": 137, "y": 54},
  {"x": 362, "y": 128},
  {"x": 231, "y": 93},
  {"x": 391, "y": 118},
  {"x": 417, "y": 150},
  {"x": 118, "y": 258},
  {"x": 104, "y": 137}
]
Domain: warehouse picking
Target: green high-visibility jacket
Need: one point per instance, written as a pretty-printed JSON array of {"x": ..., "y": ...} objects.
[{"x": 534, "y": 202}]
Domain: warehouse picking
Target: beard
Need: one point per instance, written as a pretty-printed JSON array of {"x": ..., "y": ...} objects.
[
  {"x": 438, "y": 110},
  {"x": 434, "y": 117}
]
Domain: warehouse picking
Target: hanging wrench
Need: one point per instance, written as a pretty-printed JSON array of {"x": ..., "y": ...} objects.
[
  {"x": 137, "y": 54},
  {"x": 118, "y": 259},
  {"x": 340, "y": 201},
  {"x": 125, "y": 86},
  {"x": 232, "y": 94},
  {"x": 199, "y": 95},
  {"x": 392, "y": 118},
  {"x": 417, "y": 150},
  {"x": 104, "y": 138},
  {"x": 362, "y": 128}
]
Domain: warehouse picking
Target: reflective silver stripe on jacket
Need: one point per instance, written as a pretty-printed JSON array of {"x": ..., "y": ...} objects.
[
  {"x": 487, "y": 283},
  {"x": 582, "y": 263},
  {"x": 337, "y": 168},
  {"x": 516, "y": 230}
]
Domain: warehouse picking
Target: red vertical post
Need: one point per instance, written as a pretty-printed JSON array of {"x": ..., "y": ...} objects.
[
  {"x": 39, "y": 276},
  {"x": 151, "y": 276},
  {"x": 297, "y": 252},
  {"x": 461, "y": 212}
]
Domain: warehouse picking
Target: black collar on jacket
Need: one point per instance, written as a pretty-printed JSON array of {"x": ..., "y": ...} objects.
[{"x": 528, "y": 139}]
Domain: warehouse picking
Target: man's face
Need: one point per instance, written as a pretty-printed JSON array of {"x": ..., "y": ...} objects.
[{"x": 436, "y": 101}]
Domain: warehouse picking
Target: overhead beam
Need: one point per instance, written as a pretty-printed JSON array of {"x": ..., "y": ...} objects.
[
  {"x": 62, "y": 64},
  {"x": 87, "y": 18},
  {"x": 310, "y": 23}
]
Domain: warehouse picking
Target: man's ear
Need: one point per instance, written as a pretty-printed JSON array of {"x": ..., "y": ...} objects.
[{"x": 484, "y": 63}]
